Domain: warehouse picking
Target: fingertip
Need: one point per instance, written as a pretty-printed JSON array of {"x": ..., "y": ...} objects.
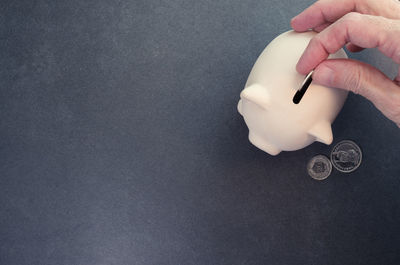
[
  {"x": 293, "y": 22},
  {"x": 323, "y": 75},
  {"x": 301, "y": 69},
  {"x": 296, "y": 24}
]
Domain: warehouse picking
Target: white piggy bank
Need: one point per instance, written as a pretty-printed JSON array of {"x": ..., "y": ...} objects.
[{"x": 275, "y": 122}]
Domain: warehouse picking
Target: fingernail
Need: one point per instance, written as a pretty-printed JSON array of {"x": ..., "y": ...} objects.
[{"x": 324, "y": 75}]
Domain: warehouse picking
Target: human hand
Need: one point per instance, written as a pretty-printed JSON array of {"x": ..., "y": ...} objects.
[{"x": 357, "y": 24}]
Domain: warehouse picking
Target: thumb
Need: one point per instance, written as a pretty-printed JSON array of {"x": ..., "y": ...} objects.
[{"x": 363, "y": 79}]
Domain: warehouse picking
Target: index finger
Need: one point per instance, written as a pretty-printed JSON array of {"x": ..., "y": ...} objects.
[
  {"x": 364, "y": 31},
  {"x": 322, "y": 12}
]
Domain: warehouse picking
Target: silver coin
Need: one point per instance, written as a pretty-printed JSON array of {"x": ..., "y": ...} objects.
[
  {"x": 346, "y": 156},
  {"x": 319, "y": 167}
]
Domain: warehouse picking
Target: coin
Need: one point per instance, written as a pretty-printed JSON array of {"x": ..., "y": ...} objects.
[
  {"x": 319, "y": 167},
  {"x": 346, "y": 156}
]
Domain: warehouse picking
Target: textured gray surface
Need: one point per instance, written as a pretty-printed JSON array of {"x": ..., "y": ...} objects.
[{"x": 120, "y": 143}]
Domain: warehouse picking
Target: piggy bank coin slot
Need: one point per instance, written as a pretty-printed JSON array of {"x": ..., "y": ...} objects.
[{"x": 303, "y": 88}]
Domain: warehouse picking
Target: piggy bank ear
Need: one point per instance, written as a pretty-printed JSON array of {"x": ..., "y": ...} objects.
[
  {"x": 322, "y": 131},
  {"x": 256, "y": 94}
]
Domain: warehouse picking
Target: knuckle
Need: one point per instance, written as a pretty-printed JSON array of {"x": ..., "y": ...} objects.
[
  {"x": 351, "y": 17},
  {"x": 351, "y": 21},
  {"x": 320, "y": 4},
  {"x": 391, "y": 39},
  {"x": 317, "y": 43},
  {"x": 354, "y": 82}
]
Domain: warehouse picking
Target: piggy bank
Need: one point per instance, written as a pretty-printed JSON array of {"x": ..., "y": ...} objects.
[{"x": 275, "y": 122}]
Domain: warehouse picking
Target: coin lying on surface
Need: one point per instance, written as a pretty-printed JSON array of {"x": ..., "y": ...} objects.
[
  {"x": 346, "y": 156},
  {"x": 319, "y": 167}
]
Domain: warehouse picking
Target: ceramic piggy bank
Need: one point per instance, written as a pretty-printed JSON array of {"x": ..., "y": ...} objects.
[{"x": 275, "y": 122}]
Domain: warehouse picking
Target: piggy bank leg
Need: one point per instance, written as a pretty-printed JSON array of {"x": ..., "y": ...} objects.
[
  {"x": 263, "y": 145},
  {"x": 322, "y": 131}
]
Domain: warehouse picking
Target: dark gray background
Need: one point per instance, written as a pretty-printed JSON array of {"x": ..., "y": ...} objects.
[{"x": 120, "y": 143}]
